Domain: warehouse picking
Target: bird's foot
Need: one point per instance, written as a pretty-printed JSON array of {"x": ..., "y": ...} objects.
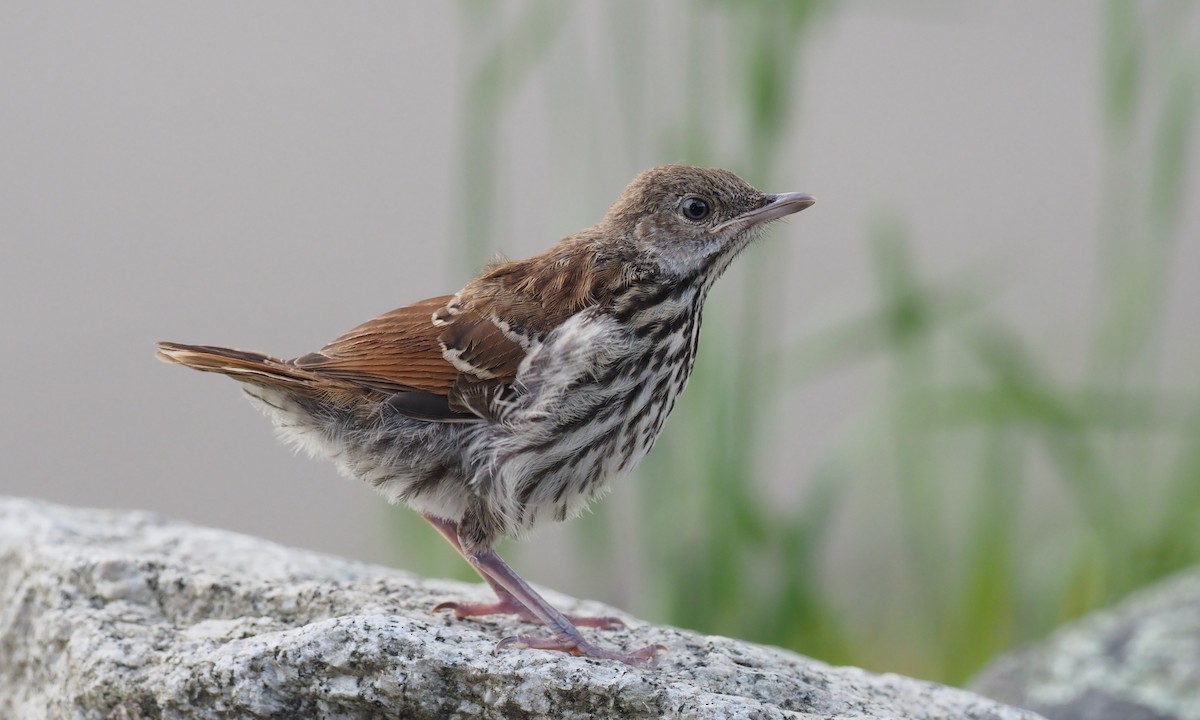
[
  {"x": 509, "y": 606},
  {"x": 581, "y": 648}
]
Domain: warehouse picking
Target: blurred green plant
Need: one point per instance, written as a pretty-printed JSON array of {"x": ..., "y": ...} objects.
[{"x": 969, "y": 423}]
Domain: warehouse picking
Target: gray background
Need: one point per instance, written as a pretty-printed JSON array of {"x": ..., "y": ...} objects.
[{"x": 267, "y": 175}]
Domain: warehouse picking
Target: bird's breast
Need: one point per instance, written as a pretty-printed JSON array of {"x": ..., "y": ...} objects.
[{"x": 594, "y": 397}]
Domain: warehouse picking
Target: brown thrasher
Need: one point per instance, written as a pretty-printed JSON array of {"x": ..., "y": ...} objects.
[{"x": 518, "y": 398}]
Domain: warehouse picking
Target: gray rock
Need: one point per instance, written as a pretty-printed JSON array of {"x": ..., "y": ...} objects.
[
  {"x": 1139, "y": 660},
  {"x": 128, "y": 615}
]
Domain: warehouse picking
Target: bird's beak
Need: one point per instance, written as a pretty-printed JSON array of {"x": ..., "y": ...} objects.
[{"x": 779, "y": 205}]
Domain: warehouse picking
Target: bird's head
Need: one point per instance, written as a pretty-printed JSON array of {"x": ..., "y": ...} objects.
[{"x": 689, "y": 220}]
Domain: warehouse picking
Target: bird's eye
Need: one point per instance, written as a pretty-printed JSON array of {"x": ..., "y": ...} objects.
[{"x": 695, "y": 208}]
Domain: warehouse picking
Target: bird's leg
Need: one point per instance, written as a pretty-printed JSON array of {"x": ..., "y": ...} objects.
[
  {"x": 506, "y": 604},
  {"x": 566, "y": 636},
  {"x": 516, "y": 596}
]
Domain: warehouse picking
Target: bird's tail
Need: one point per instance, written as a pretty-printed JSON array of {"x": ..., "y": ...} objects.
[{"x": 249, "y": 367}]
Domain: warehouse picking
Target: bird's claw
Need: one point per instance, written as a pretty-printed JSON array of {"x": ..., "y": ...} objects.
[
  {"x": 468, "y": 610},
  {"x": 638, "y": 658}
]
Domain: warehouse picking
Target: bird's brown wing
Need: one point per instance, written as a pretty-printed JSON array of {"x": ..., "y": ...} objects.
[
  {"x": 396, "y": 351},
  {"x": 447, "y": 358},
  {"x": 449, "y": 370}
]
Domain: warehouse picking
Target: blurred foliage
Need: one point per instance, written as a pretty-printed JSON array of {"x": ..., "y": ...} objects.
[{"x": 964, "y": 458}]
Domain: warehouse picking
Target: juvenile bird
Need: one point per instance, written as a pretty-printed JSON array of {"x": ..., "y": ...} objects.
[{"x": 517, "y": 399}]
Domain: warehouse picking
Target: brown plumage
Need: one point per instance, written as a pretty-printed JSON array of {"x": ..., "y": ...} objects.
[
  {"x": 398, "y": 350},
  {"x": 518, "y": 398}
]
